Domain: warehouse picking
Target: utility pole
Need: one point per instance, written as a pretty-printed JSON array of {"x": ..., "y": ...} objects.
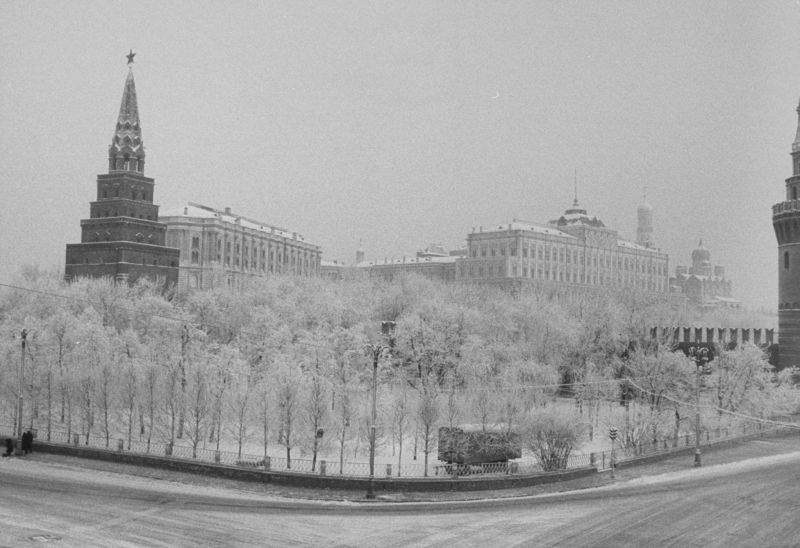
[{"x": 24, "y": 336}]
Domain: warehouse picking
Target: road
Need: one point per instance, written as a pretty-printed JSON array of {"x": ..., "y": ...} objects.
[{"x": 750, "y": 503}]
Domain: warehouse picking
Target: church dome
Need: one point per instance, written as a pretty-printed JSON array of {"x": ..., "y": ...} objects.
[{"x": 701, "y": 254}]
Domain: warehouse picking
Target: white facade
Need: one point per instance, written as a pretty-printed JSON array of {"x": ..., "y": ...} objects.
[{"x": 221, "y": 247}]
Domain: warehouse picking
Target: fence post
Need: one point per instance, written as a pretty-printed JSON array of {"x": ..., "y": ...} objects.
[
  {"x": 323, "y": 467},
  {"x": 217, "y": 456},
  {"x": 267, "y": 463},
  {"x": 687, "y": 439},
  {"x": 604, "y": 460},
  {"x": 168, "y": 450},
  {"x": 76, "y": 439},
  {"x": 389, "y": 470},
  {"x": 593, "y": 460},
  {"x": 120, "y": 444},
  {"x": 708, "y": 434}
]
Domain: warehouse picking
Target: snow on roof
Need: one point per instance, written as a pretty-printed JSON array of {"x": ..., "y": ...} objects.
[
  {"x": 192, "y": 209},
  {"x": 408, "y": 261},
  {"x": 531, "y": 227},
  {"x": 632, "y": 245}
]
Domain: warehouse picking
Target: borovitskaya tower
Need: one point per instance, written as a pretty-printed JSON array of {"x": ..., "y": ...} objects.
[{"x": 123, "y": 239}]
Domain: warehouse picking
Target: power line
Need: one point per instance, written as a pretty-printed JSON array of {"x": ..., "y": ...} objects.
[{"x": 715, "y": 408}]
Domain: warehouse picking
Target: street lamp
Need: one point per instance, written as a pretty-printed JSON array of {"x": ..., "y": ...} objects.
[
  {"x": 612, "y": 433},
  {"x": 24, "y": 336},
  {"x": 376, "y": 351},
  {"x": 701, "y": 358}
]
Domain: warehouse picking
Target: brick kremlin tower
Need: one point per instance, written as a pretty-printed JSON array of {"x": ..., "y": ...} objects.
[
  {"x": 123, "y": 239},
  {"x": 786, "y": 221}
]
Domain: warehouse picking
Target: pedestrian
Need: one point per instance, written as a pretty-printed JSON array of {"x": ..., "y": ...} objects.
[
  {"x": 30, "y": 441},
  {"x": 25, "y": 442},
  {"x": 9, "y": 447}
]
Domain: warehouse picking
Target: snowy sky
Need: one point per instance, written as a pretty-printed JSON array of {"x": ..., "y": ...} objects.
[{"x": 404, "y": 123}]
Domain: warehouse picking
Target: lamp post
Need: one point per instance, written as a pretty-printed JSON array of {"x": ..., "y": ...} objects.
[
  {"x": 24, "y": 336},
  {"x": 701, "y": 357},
  {"x": 612, "y": 433},
  {"x": 376, "y": 351}
]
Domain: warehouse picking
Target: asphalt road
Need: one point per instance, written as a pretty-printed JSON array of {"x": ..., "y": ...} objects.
[{"x": 750, "y": 503}]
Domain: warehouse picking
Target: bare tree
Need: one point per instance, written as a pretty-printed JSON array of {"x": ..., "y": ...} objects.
[
  {"x": 427, "y": 415},
  {"x": 288, "y": 388}
]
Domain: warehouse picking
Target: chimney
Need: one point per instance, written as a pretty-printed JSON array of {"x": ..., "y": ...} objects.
[{"x": 227, "y": 211}]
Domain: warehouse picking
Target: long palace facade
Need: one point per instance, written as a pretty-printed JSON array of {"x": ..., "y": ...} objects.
[
  {"x": 221, "y": 247},
  {"x": 570, "y": 252}
]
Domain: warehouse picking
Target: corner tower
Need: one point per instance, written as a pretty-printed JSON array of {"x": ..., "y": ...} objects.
[
  {"x": 786, "y": 222},
  {"x": 123, "y": 239}
]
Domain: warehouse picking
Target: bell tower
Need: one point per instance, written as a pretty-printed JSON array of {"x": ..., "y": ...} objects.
[
  {"x": 786, "y": 222},
  {"x": 122, "y": 238}
]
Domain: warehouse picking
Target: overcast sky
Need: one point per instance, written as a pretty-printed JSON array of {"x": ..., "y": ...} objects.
[{"x": 404, "y": 123}]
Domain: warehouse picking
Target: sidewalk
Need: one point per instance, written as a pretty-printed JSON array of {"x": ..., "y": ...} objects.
[{"x": 713, "y": 455}]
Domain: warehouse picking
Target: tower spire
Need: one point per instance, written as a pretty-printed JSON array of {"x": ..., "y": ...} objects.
[
  {"x": 575, "y": 185},
  {"x": 126, "y": 152},
  {"x": 796, "y": 144}
]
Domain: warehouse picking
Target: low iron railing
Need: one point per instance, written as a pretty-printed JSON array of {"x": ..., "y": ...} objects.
[{"x": 527, "y": 466}]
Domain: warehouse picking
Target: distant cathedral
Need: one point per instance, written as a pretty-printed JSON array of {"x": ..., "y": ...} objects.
[
  {"x": 122, "y": 239},
  {"x": 786, "y": 222},
  {"x": 704, "y": 284}
]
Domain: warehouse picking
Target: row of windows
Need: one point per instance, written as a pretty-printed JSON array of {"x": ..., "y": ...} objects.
[
  {"x": 566, "y": 276},
  {"x": 107, "y": 260},
  {"x": 126, "y": 163},
  {"x": 257, "y": 258},
  {"x": 115, "y": 213},
  {"x": 569, "y": 256},
  {"x": 112, "y": 191},
  {"x": 106, "y": 236}
]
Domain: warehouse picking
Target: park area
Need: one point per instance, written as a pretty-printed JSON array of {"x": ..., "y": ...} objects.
[{"x": 316, "y": 376}]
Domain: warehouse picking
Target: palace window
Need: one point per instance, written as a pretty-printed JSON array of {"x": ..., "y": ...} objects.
[{"x": 785, "y": 259}]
